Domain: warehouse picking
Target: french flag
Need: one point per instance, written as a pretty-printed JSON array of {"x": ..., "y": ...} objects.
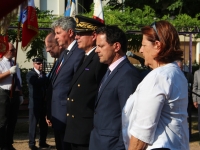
[
  {"x": 98, "y": 11},
  {"x": 28, "y": 18}
]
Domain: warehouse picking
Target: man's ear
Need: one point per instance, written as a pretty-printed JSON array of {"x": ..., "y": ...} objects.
[
  {"x": 94, "y": 36},
  {"x": 71, "y": 32},
  {"x": 117, "y": 46}
]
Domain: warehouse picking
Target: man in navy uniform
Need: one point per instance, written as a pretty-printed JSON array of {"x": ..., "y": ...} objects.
[
  {"x": 119, "y": 82},
  {"x": 84, "y": 86},
  {"x": 36, "y": 80}
]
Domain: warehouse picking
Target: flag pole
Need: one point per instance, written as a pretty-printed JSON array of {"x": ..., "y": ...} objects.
[{"x": 16, "y": 47}]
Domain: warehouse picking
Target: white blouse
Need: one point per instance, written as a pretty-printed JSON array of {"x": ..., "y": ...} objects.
[{"x": 157, "y": 112}]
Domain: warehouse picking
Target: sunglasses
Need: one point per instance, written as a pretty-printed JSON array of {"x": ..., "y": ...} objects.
[
  {"x": 38, "y": 63},
  {"x": 83, "y": 33},
  {"x": 153, "y": 25}
]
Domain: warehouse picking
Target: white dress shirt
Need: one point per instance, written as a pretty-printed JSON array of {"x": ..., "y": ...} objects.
[
  {"x": 7, "y": 82},
  {"x": 71, "y": 45},
  {"x": 157, "y": 111}
]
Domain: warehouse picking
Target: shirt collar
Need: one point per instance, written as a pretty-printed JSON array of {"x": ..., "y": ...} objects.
[
  {"x": 116, "y": 63},
  {"x": 88, "y": 53},
  {"x": 71, "y": 45},
  {"x": 4, "y": 58},
  {"x": 38, "y": 72}
]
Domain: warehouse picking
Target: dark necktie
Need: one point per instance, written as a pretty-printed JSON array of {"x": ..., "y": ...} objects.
[
  {"x": 85, "y": 58},
  {"x": 105, "y": 76}
]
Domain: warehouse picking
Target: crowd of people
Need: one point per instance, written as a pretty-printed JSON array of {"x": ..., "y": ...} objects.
[{"x": 96, "y": 98}]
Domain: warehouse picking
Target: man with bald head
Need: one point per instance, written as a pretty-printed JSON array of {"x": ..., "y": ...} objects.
[
  {"x": 9, "y": 106},
  {"x": 52, "y": 46}
]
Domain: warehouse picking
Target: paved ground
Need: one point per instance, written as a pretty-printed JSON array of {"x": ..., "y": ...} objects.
[{"x": 21, "y": 135}]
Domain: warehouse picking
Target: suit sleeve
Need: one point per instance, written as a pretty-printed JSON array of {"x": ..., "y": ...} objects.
[
  {"x": 195, "y": 86},
  {"x": 128, "y": 85}
]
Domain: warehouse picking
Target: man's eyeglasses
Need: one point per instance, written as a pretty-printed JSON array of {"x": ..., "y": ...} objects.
[
  {"x": 38, "y": 63},
  {"x": 153, "y": 25}
]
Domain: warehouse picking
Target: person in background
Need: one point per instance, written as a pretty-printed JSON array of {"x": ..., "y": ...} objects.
[
  {"x": 119, "y": 81},
  {"x": 84, "y": 86},
  {"x": 9, "y": 103},
  {"x": 52, "y": 47},
  {"x": 155, "y": 115},
  {"x": 68, "y": 63},
  {"x": 36, "y": 80},
  {"x": 196, "y": 95},
  {"x": 190, "y": 79}
]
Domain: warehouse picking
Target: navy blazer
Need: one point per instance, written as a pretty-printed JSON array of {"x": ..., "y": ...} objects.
[
  {"x": 120, "y": 84},
  {"x": 60, "y": 85},
  {"x": 36, "y": 86}
]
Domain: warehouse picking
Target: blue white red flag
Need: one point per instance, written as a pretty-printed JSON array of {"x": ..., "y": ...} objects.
[
  {"x": 98, "y": 11},
  {"x": 28, "y": 18}
]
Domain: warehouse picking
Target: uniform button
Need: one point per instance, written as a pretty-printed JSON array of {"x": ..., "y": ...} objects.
[
  {"x": 72, "y": 100},
  {"x": 79, "y": 85},
  {"x": 72, "y": 116},
  {"x": 67, "y": 114},
  {"x": 68, "y": 98}
]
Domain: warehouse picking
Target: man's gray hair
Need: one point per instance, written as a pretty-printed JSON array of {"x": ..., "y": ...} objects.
[{"x": 65, "y": 23}]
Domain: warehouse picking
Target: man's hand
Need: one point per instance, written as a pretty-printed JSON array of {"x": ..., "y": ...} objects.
[
  {"x": 48, "y": 122},
  {"x": 13, "y": 69},
  {"x": 21, "y": 99},
  {"x": 196, "y": 104}
]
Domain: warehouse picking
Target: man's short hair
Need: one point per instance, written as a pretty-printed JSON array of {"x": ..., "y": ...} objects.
[
  {"x": 114, "y": 34},
  {"x": 65, "y": 23}
]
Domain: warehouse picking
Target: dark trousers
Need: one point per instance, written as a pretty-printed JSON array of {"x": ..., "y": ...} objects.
[
  {"x": 37, "y": 116},
  {"x": 199, "y": 118},
  {"x": 80, "y": 146},
  {"x": 59, "y": 140},
  {"x": 8, "y": 117}
]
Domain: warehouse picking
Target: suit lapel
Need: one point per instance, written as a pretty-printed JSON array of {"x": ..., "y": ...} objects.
[
  {"x": 83, "y": 67},
  {"x": 66, "y": 56},
  {"x": 110, "y": 78}
]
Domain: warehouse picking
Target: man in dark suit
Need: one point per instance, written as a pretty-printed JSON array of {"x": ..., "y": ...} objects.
[
  {"x": 36, "y": 79},
  {"x": 84, "y": 86},
  {"x": 68, "y": 62},
  {"x": 119, "y": 82}
]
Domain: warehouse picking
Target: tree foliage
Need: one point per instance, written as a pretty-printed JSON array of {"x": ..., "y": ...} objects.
[
  {"x": 161, "y": 7},
  {"x": 45, "y": 19},
  {"x": 131, "y": 20}
]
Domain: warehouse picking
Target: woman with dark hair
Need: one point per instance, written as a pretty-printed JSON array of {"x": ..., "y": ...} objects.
[{"x": 155, "y": 116}]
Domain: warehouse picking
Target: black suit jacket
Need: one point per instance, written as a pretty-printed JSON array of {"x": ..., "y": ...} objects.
[
  {"x": 36, "y": 87},
  {"x": 80, "y": 102},
  {"x": 60, "y": 83}
]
